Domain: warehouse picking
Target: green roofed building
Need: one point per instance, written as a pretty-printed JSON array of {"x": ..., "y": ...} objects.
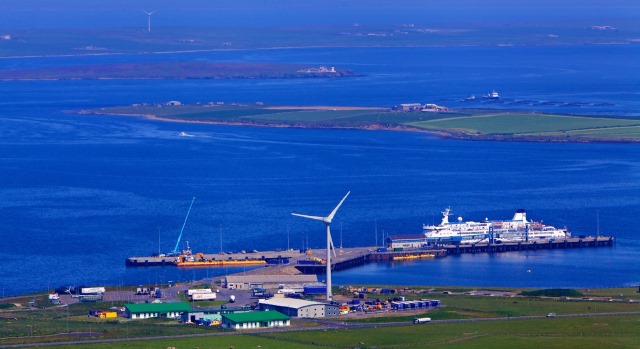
[
  {"x": 149, "y": 310},
  {"x": 255, "y": 319}
]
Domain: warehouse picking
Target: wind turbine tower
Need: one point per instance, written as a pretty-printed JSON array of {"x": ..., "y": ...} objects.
[
  {"x": 149, "y": 13},
  {"x": 327, "y": 221}
]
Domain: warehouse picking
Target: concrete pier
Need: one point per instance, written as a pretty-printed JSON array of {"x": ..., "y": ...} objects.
[
  {"x": 274, "y": 257},
  {"x": 313, "y": 262},
  {"x": 589, "y": 241}
]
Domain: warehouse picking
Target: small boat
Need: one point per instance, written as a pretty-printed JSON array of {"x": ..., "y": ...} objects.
[
  {"x": 470, "y": 98},
  {"x": 491, "y": 95},
  {"x": 184, "y": 134}
]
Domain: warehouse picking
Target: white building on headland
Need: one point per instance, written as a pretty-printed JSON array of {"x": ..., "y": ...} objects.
[{"x": 322, "y": 69}]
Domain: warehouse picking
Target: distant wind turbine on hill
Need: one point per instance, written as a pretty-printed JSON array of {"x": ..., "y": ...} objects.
[
  {"x": 149, "y": 13},
  {"x": 327, "y": 221}
]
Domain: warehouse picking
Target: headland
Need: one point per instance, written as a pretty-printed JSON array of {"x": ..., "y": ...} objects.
[{"x": 465, "y": 124}]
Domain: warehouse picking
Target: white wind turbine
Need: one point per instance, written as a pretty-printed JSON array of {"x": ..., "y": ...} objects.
[
  {"x": 327, "y": 221},
  {"x": 149, "y": 13}
]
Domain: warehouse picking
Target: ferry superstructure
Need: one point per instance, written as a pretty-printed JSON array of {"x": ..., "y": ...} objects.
[
  {"x": 493, "y": 95},
  {"x": 469, "y": 232}
]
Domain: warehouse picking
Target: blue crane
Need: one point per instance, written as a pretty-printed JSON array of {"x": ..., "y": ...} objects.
[{"x": 175, "y": 249}]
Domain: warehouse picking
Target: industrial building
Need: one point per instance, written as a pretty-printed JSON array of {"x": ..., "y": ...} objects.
[
  {"x": 248, "y": 282},
  {"x": 406, "y": 241},
  {"x": 150, "y": 310},
  {"x": 299, "y": 308},
  {"x": 255, "y": 319}
]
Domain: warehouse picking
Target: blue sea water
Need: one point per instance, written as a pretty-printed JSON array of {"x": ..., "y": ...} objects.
[{"x": 80, "y": 193}]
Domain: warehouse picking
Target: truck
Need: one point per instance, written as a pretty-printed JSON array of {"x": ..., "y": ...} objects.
[
  {"x": 265, "y": 295},
  {"x": 290, "y": 290},
  {"x": 90, "y": 297},
  {"x": 203, "y": 296},
  {"x": 258, "y": 292},
  {"x": 54, "y": 298},
  {"x": 198, "y": 290},
  {"x": 142, "y": 291},
  {"x": 157, "y": 293},
  {"x": 421, "y": 320},
  {"x": 92, "y": 290}
]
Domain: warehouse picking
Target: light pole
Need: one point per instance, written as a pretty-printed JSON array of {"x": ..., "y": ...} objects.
[
  {"x": 67, "y": 318},
  {"x": 376, "y": 232}
]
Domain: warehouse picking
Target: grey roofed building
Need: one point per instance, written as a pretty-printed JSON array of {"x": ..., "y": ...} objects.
[
  {"x": 406, "y": 241},
  {"x": 299, "y": 308},
  {"x": 247, "y": 282}
]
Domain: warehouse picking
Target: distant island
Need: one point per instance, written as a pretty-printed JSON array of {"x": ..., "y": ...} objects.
[
  {"x": 467, "y": 124},
  {"x": 176, "y": 70},
  {"x": 112, "y": 41}
]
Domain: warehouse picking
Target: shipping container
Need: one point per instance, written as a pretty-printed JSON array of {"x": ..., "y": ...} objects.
[
  {"x": 203, "y": 296},
  {"x": 382, "y": 249},
  {"x": 315, "y": 289},
  {"x": 421, "y": 320},
  {"x": 198, "y": 290},
  {"x": 92, "y": 290},
  {"x": 90, "y": 298}
]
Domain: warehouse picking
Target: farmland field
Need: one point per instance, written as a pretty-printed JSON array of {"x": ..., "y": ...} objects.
[{"x": 534, "y": 124}]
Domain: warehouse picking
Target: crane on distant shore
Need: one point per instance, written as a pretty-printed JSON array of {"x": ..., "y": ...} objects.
[{"x": 175, "y": 251}]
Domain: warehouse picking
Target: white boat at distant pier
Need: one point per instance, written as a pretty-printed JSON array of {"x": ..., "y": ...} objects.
[{"x": 491, "y": 95}]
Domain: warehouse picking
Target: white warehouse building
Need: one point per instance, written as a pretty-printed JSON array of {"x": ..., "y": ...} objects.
[{"x": 299, "y": 308}]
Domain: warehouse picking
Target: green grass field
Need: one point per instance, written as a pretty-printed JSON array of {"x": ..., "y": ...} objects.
[
  {"x": 537, "y": 125},
  {"x": 583, "y": 332}
]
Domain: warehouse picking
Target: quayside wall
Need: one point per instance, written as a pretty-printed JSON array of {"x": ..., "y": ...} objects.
[
  {"x": 601, "y": 241},
  {"x": 313, "y": 262}
]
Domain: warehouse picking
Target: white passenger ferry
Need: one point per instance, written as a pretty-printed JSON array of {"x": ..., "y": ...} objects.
[{"x": 470, "y": 232}]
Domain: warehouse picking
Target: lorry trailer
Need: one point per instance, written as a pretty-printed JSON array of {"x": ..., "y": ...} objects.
[{"x": 421, "y": 320}]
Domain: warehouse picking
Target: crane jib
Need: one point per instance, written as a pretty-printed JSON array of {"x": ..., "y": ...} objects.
[{"x": 175, "y": 249}]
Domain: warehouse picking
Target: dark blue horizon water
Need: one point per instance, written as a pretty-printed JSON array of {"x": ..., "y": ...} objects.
[{"x": 81, "y": 193}]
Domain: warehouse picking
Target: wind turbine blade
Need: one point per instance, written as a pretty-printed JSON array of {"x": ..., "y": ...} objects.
[
  {"x": 333, "y": 248},
  {"x": 333, "y": 213},
  {"x": 310, "y": 217}
]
